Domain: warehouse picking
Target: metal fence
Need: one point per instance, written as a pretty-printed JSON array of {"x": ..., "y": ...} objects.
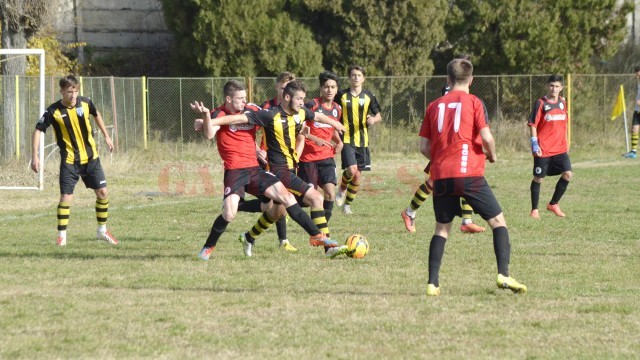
[{"x": 142, "y": 112}]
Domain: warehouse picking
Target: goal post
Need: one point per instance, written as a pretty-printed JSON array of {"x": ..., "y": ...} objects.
[{"x": 41, "y": 109}]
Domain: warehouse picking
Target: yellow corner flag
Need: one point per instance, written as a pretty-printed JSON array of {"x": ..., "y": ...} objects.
[{"x": 619, "y": 108}]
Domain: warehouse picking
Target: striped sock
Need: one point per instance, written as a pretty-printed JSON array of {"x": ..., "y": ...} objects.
[
  {"x": 317, "y": 215},
  {"x": 102, "y": 211},
  {"x": 352, "y": 191},
  {"x": 63, "y": 213},
  {"x": 419, "y": 196},
  {"x": 263, "y": 223}
]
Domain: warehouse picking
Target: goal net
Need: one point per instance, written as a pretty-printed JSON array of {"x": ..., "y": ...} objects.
[{"x": 22, "y": 102}]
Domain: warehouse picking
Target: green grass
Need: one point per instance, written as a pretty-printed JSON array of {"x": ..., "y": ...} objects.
[{"x": 152, "y": 297}]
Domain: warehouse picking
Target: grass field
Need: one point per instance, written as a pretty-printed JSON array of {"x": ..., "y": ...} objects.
[{"x": 151, "y": 297}]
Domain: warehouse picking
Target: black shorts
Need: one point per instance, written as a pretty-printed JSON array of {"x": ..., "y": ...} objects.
[
  {"x": 552, "y": 165},
  {"x": 253, "y": 180},
  {"x": 318, "y": 172},
  {"x": 291, "y": 181},
  {"x": 448, "y": 192},
  {"x": 636, "y": 118},
  {"x": 352, "y": 155},
  {"x": 91, "y": 173}
]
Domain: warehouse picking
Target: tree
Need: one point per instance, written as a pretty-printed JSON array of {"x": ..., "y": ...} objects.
[
  {"x": 389, "y": 37},
  {"x": 232, "y": 38},
  {"x": 21, "y": 19},
  {"x": 537, "y": 36}
]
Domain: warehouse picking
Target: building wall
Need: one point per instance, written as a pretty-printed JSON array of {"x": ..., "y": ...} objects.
[{"x": 113, "y": 26}]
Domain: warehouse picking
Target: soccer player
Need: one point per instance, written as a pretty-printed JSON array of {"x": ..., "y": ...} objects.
[
  {"x": 548, "y": 127},
  {"x": 453, "y": 134},
  {"x": 317, "y": 151},
  {"x": 423, "y": 191},
  {"x": 236, "y": 146},
  {"x": 69, "y": 117},
  {"x": 360, "y": 109},
  {"x": 281, "y": 125},
  {"x": 281, "y": 82},
  {"x": 635, "y": 123}
]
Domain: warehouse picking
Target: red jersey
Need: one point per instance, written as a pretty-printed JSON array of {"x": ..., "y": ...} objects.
[
  {"x": 313, "y": 151},
  {"x": 550, "y": 120},
  {"x": 452, "y": 123},
  {"x": 236, "y": 143}
]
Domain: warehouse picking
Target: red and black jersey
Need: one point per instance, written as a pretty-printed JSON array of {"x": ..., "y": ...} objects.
[
  {"x": 281, "y": 130},
  {"x": 354, "y": 115},
  {"x": 236, "y": 143},
  {"x": 73, "y": 130},
  {"x": 270, "y": 103},
  {"x": 550, "y": 120},
  {"x": 452, "y": 123},
  {"x": 313, "y": 151}
]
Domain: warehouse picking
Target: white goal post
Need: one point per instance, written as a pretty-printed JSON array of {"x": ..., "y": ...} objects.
[{"x": 40, "y": 53}]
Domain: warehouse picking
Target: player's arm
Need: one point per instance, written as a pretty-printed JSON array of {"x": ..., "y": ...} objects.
[
  {"x": 35, "y": 145},
  {"x": 219, "y": 121},
  {"x": 337, "y": 141},
  {"x": 98, "y": 118},
  {"x": 489, "y": 144},
  {"x": 329, "y": 121},
  {"x": 425, "y": 147}
]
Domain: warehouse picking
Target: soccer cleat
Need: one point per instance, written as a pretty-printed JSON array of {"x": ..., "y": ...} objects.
[
  {"x": 205, "y": 253},
  {"x": 510, "y": 283},
  {"x": 106, "y": 236},
  {"x": 61, "y": 241},
  {"x": 630, "y": 155},
  {"x": 535, "y": 214},
  {"x": 555, "y": 209},
  {"x": 409, "y": 222},
  {"x": 321, "y": 240},
  {"x": 346, "y": 209},
  {"x": 284, "y": 244},
  {"x": 432, "y": 290},
  {"x": 471, "y": 228},
  {"x": 340, "y": 196},
  {"x": 246, "y": 244},
  {"x": 335, "y": 251}
]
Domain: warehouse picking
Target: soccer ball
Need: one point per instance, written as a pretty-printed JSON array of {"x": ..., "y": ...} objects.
[{"x": 357, "y": 246}]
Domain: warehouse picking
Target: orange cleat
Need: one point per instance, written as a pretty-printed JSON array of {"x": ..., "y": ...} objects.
[
  {"x": 409, "y": 222},
  {"x": 555, "y": 209},
  {"x": 322, "y": 240},
  {"x": 535, "y": 214},
  {"x": 471, "y": 228}
]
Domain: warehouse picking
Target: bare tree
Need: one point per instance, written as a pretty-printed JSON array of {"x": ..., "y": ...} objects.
[{"x": 21, "y": 19}]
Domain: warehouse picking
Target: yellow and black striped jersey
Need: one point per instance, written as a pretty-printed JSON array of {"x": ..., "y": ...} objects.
[
  {"x": 354, "y": 115},
  {"x": 280, "y": 130},
  {"x": 72, "y": 129}
]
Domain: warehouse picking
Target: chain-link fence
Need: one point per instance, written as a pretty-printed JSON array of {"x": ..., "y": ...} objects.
[{"x": 168, "y": 118}]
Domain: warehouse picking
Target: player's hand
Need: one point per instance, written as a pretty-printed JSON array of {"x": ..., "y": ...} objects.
[
  {"x": 491, "y": 158},
  {"x": 199, "y": 107},
  {"x": 35, "y": 163},
  {"x": 370, "y": 120},
  {"x": 305, "y": 130},
  {"x": 107, "y": 139},
  {"x": 320, "y": 142},
  {"x": 261, "y": 155},
  {"x": 340, "y": 128},
  {"x": 198, "y": 124}
]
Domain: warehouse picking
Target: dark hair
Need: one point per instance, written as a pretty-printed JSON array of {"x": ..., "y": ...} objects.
[
  {"x": 293, "y": 86},
  {"x": 459, "y": 70},
  {"x": 637, "y": 68},
  {"x": 463, "y": 57},
  {"x": 555, "y": 78},
  {"x": 232, "y": 86},
  {"x": 356, "y": 67},
  {"x": 327, "y": 75},
  {"x": 67, "y": 81},
  {"x": 285, "y": 76}
]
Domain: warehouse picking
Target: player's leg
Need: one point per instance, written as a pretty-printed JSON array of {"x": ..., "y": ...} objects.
[
  {"x": 479, "y": 195},
  {"x": 540, "y": 166},
  {"x": 634, "y": 136},
  {"x": 352, "y": 188},
  {"x": 327, "y": 181},
  {"x": 560, "y": 164},
  {"x": 94, "y": 178},
  {"x": 349, "y": 165},
  {"x": 467, "y": 225},
  {"x": 229, "y": 211},
  {"x": 419, "y": 197},
  {"x": 446, "y": 206},
  {"x": 68, "y": 178},
  {"x": 363, "y": 163}
]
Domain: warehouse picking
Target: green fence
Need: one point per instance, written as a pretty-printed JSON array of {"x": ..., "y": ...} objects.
[{"x": 142, "y": 112}]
